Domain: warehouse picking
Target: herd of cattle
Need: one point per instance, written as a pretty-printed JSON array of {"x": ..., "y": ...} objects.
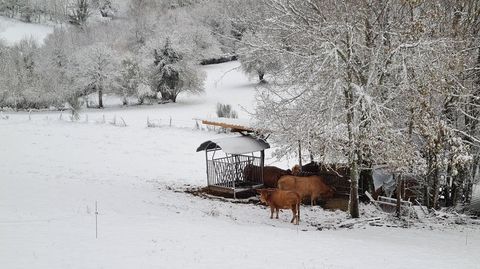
[{"x": 286, "y": 189}]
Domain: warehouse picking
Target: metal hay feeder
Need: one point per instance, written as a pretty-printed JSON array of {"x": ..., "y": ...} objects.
[{"x": 239, "y": 168}]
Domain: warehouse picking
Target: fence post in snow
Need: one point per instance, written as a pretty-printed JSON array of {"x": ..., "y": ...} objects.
[
  {"x": 61, "y": 115},
  {"x": 96, "y": 220},
  {"x": 29, "y": 114},
  {"x": 170, "y": 121}
]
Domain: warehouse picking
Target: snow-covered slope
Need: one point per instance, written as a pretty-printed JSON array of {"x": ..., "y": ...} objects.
[
  {"x": 12, "y": 31},
  {"x": 224, "y": 84},
  {"x": 52, "y": 171}
]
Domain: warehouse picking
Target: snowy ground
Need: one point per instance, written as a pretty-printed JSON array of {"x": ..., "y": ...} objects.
[
  {"x": 12, "y": 31},
  {"x": 52, "y": 171}
]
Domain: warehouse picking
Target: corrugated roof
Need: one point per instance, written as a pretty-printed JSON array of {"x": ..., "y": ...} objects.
[{"x": 235, "y": 145}]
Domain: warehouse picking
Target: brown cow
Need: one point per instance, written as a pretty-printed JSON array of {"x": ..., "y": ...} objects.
[
  {"x": 309, "y": 186},
  {"x": 271, "y": 174},
  {"x": 298, "y": 171},
  {"x": 278, "y": 199}
]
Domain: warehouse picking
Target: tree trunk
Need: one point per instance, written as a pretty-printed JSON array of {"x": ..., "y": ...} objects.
[
  {"x": 474, "y": 111},
  {"x": 455, "y": 194},
  {"x": 353, "y": 203},
  {"x": 261, "y": 77},
  {"x": 448, "y": 193},
  {"x": 168, "y": 96},
  {"x": 436, "y": 184},
  {"x": 353, "y": 147},
  {"x": 398, "y": 179},
  {"x": 426, "y": 189},
  {"x": 100, "y": 98},
  {"x": 353, "y": 155},
  {"x": 426, "y": 196},
  {"x": 469, "y": 183}
]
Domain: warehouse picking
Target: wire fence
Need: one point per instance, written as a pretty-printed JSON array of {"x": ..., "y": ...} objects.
[
  {"x": 111, "y": 120},
  {"x": 119, "y": 121}
]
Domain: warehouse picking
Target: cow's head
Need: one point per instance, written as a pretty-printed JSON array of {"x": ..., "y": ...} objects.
[{"x": 264, "y": 195}]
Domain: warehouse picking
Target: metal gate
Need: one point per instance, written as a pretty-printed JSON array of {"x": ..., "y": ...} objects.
[{"x": 235, "y": 172}]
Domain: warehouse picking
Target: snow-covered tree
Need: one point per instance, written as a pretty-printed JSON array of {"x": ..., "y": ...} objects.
[
  {"x": 97, "y": 70},
  {"x": 79, "y": 13},
  {"x": 20, "y": 76},
  {"x": 107, "y": 8},
  {"x": 352, "y": 73},
  {"x": 173, "y": 72},
  {"x": 140, "y": 13},
  {"x": 257, "y": 61},
  {"x": 129, "y": 78},
  {"x": 56, "y": 70}
]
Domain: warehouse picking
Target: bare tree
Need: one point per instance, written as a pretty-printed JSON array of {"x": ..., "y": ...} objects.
[{"x": 79, "y": 13}]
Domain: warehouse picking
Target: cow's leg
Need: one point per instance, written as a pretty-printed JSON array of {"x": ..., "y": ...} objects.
[
  {"x": 294, "y": 212},
  {"x": 315, "y": 198},
  {"x": 271, "y": 212},
  {"x": 298, "y": 212},
  {"x": 277, "y": 212}
]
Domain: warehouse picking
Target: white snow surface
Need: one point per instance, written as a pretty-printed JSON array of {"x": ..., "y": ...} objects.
[
  {"x": 12, "y": 31},
  {"x": 52, "y": 171}
]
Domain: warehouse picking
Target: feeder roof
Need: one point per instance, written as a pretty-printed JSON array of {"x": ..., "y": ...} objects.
[
  {"x": 235, "y": 145},
  {"x": 235, "y": 125}
]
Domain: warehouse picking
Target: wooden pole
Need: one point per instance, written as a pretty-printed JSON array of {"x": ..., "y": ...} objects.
[
  {"x": 96, "y": 220},
  {"x": 262, "y": 163},
  {"x": 300, "y": 153}
]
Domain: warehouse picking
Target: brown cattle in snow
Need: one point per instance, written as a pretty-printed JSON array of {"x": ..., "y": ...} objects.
[
  {"x": 271, "y": 174},
  {"x": 298, "y": 171},
  {"x": 309, "y": 186},
  {"x": 278, "y": 199}
]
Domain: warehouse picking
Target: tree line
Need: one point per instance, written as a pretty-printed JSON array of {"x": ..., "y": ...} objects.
[
  {"x": 56, "y": 10},
  {"x": 363, "y": 83},
  {"x": 152, "y": 54}
]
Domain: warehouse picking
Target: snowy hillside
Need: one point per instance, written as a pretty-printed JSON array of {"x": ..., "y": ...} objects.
[
  {"x": 12, "y": 31},
  {"x": 53, "y": 171},
  {"x": 100, "y": 123}
]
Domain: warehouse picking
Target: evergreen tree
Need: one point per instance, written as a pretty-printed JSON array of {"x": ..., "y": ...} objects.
[{"x": 173, "y": 73}]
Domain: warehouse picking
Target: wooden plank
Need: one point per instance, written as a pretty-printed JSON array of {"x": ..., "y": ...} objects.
[{"x": 234, "y": 127}]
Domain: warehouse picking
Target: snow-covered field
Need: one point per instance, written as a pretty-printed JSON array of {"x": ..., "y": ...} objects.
[
  {"x": 12, "y": 31},
  {"x": 53, "y": 171}
]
